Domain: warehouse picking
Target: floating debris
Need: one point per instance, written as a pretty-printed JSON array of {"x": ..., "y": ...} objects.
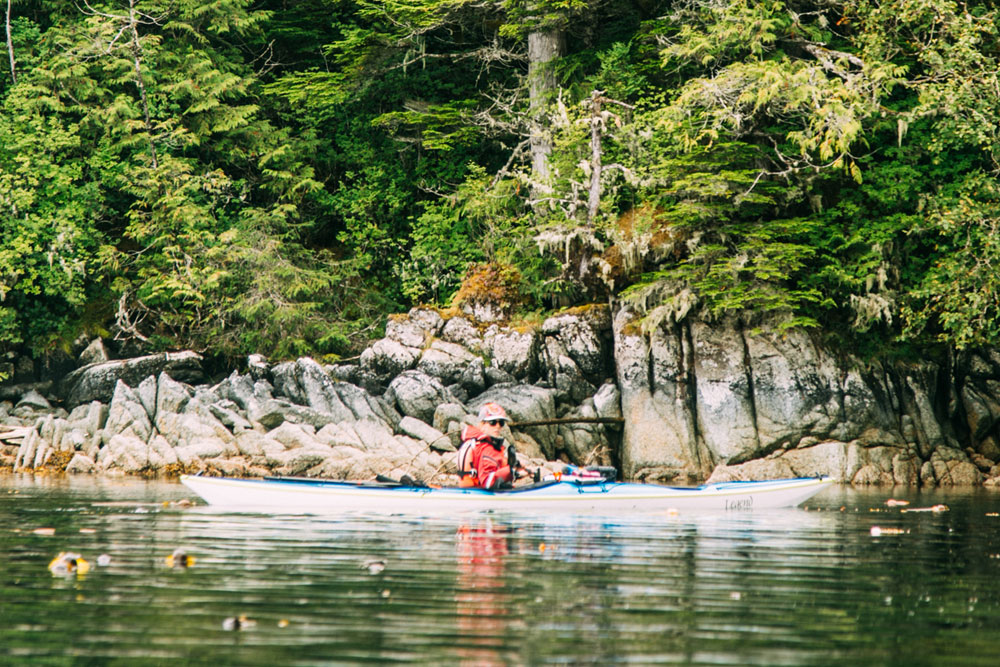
[
  {"x": 879, "y": 531},
  {"x": 993, "y": 514},
  {"x": 240, "y": 622},
  {"x": 892, "y": 502},
  {"x": 374, "y": 566},
  {"x": 933, "y": 508},
  {"x": 179, "y": 558},
  {"x": 283, "y": 623},
  {"x": 88, "y": 531},
  {"x": 67, "y": 563},
  {"x": 103, "y": 560},
  {"x": 46, "y": 532}
]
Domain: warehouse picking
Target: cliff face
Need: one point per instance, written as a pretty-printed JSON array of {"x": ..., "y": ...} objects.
[
  {"x": 695, "y": 401},
  {"x": 716, "y": 401}
]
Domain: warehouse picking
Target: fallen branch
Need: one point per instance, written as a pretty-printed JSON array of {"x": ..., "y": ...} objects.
[{"x": 569, "y": 420}]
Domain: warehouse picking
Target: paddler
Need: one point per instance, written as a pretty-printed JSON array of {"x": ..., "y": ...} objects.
[{"x": 482, "y": 461}]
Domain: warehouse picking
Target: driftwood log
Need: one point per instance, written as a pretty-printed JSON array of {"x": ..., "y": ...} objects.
[
  {"x": 569, "y": 420},
  {"x": 10, "y": 434}
]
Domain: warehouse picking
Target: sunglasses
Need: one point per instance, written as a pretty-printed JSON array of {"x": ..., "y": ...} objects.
[{"x": 494, "y": 422}]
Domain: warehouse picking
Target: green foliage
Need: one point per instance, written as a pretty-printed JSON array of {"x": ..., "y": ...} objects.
[
  {"x": 710, "y": 34},
  {"x": 863, "y": 134},
  {"x": 958, "y": 298},
  {"x": 46, "y": 204},
  {"x": 620, "y": 75},
  {"x": 169, "y": 187},
  {"x": 443, "y": 247},
  {"x": 524, "y": 16},
  {"x": 10, "y": 328},
  {"x": 753, "y": 268},
  {"x": 436, "y": 127},
  {"x": 276, "y": 177}
]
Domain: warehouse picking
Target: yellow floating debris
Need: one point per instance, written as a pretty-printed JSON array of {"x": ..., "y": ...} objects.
[
  {"x": 68, "y": 562},
  {"x": 283, "y": 623},
  {"x": 179, "y": 558}
]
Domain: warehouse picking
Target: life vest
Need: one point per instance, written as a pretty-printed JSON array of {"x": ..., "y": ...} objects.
[
  {"x": 477, "y": 446},
  {"x": 466, "y": 473},
  {"x": 464, "y": 460}
]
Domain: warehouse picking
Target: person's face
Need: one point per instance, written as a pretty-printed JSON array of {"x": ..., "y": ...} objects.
[{"x": 492, "y": 427}]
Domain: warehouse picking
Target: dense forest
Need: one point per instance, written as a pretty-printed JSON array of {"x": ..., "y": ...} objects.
[{"x": 277, "y": 177}]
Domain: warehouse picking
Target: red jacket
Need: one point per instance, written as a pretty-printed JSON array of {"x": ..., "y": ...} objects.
[{"x": 488, "y": 462}]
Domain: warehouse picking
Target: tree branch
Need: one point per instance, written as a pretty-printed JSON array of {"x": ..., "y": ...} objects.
[{"x": 505, "y": 170}]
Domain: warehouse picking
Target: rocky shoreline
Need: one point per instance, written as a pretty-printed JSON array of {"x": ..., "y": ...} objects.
[
  {"x": 683, "y": 403},
  {"x": 242, "y": 426}
]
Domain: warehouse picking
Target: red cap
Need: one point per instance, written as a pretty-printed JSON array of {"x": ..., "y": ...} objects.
[{"x": 490, "y": 411}]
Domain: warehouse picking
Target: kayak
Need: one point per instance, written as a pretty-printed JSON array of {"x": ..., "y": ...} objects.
[{"x": 566, "y": 494}]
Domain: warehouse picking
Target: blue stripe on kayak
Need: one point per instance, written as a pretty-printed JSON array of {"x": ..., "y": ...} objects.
[{"x": 581, "y": 486}]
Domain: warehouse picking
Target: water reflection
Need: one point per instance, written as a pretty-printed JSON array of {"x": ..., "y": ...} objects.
[
  {"x": 782, "y": 587},
  {"x": 482, "y": 604}
]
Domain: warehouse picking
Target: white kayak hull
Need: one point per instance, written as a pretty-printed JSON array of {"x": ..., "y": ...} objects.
[{"x": 316, "y": 496}]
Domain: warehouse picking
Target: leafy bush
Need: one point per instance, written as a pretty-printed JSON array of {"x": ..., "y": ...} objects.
[{"x": 443, "y": 248}]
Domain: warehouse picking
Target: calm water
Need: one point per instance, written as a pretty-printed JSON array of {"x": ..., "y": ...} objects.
[{"x": 791, "y": 587}]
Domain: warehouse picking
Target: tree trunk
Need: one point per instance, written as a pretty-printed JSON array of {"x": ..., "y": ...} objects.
[
  {"x": 137, "y": 61},
  {"x": 544, "y": 47},
  {"x": 10, "y": 45},
  {"x": 596, "y": 129}
]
